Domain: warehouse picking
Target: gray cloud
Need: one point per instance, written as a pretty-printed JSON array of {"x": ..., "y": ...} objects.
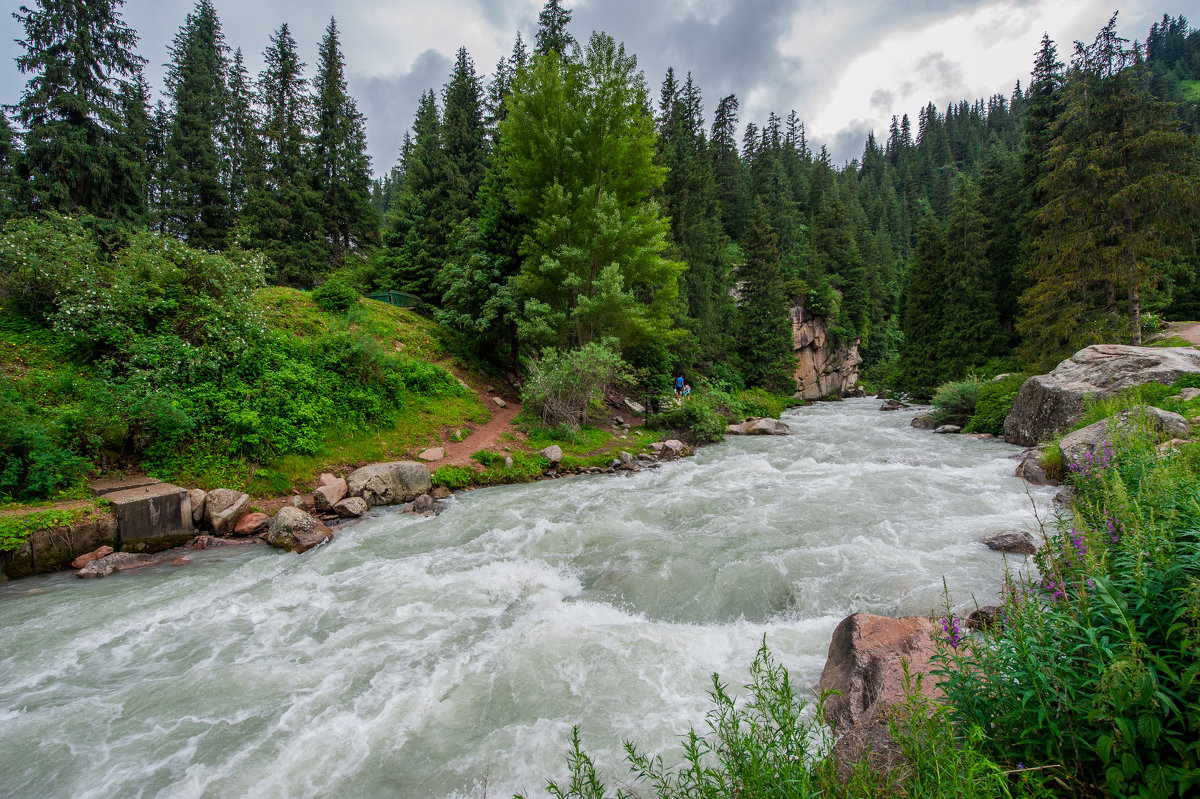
[{"x": 776, "y": 55}]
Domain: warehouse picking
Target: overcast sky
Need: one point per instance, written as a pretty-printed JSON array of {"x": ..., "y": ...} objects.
[{"x": 844, "y": 66}]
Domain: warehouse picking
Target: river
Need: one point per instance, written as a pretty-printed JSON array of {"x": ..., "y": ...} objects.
[{"x": 450, "y": 656}]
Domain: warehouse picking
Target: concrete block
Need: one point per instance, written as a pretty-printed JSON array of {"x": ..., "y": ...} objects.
[
  {"x": 152, "y": 518},
  {"x": 54, "y": 548},
  {"x": 111, "y": 485}
]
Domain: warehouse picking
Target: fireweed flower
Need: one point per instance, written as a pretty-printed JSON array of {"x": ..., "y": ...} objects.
[{"x": 954, "y": 634}]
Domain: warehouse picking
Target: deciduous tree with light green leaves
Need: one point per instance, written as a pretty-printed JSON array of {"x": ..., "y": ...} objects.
[{"x": 579, "y": 148}]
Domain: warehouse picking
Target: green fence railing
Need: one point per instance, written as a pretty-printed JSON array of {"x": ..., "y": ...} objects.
[{"x": 397, "y": 298}]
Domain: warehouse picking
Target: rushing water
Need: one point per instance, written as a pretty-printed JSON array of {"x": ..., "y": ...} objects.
[{"x": 450, "y": 656}]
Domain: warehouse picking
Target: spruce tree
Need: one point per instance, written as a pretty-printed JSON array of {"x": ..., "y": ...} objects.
[
  {"x": 281, "y": 209},
  {"x": 463, "y": 140},
  {"x": 924, "y": 313},
  {"x": 416, "y": 238},
  {"x": 341, "y": 168},
  {"x": 79, "y": 53},
  {"x": 243, "y": 160},
  {"x": 11, "y": 192},
  {"x": 133, "y": 147},
  {"x": 197, "y": 197},
  {"x": 1122, "y": 197},
  {"x": 763, "y": 323},
  {"x": 728, "y": 169},
  {"x": 552, "y": 35},
  {"x": 970, "y": 324}
]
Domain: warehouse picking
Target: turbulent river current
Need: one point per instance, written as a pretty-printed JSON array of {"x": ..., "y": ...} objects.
[{"x": 450, "y": 656}]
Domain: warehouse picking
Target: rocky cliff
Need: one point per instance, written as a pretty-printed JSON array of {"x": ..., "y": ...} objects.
[{"x": 822, "y": 370}]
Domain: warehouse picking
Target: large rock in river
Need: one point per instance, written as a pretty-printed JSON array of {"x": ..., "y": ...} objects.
[
  {"x": 759, "y": 427},
  {"x": 865, "y": 664},
  {"x": 296, "y": 531},
  {"x": 389, "y": 483},
  {"x": 223, "y": 509},
  {"x": 1048, "y": 404}
]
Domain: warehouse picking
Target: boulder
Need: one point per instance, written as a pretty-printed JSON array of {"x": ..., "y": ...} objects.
[
  {"x": 441, "y": 492},
  {"x": 1091, "y": 447},
  {"x": 759, "y": 427},
  {"x": 1030, "y": 470},
  {"x": 223, "y": 508},
  {"x": 948, "y": 428},
  {"x": 198, "y": 497},
  {"x": 636, "y": 407},
  {"x": 1048, "y": 404},
  {"x": 296, "y": 531},
  {"x": 296, "y": 501},
  {"x": 84, "y": 560},
  {"x": 499, "y": 402},
  {"x": 252, "y": 524},
  {"x": 552, "y": 453},
  {"x": 327, "y": 479},
  {"x": 866, "y": 664},
  {"x": 433, "y": 454},
  {"x": 351, "y": 507},
  {"x": 389, "y": 483},
  {"x": 673, "y": 446},
  {"x": 117, "y": 561},
  {"x": 871, "y": 740},
  {"x": 422, "y": 503},
  {"x": 329, "y": 494},
  {"x": 893, "y": 405},
  {"x": 1013, "y": 542},
  {"x": 626, "y": 457},
  {"x": 1188, "y": 394},
  {"x": 923, "y": 422}
]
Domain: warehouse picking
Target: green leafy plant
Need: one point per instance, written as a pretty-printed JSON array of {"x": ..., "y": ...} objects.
[{"x": 994, "y": 401}]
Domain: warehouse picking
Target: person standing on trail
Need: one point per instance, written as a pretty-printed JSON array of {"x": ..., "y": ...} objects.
[{"x": 679, "y": 385}]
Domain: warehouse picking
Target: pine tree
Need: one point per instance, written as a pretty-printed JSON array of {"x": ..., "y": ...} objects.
[
  {"x": 79, "y": 52},
  {"x": 552, "y": 35},
  {"x": 763, "y": 323},
  {"x": 197, "y": 198},
  {"x": 341, "y": 168},
  {"x": 133, "y": 147},
  {"x": 579, "y": 147},
  {"x": 11, "y": 190},
  {"x": 280, "y": 210},
  {"x": 1122, "y": 197},
  {"x": 728, "y": 169}
]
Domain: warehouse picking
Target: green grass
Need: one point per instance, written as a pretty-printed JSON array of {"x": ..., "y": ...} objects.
[
  {"x": 1191, "y": 90},
  {"x": 1171, "y": 341}
]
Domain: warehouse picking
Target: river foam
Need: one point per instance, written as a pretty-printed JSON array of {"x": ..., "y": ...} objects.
[{"x": 430, "y": 657}]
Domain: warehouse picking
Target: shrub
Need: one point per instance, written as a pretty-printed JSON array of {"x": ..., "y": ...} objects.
[
  {"x": 994, "y": 402},
  {"x": 335, "y": 294},
  {"x": 562, "y": 387},
  {"x": 699, "y": 420},
  {"x": 757, "y": 402},
  {"x": 955, "y": 401},
  {"x": 40, "y": 258},
  {"x": 455, "y": 476}
]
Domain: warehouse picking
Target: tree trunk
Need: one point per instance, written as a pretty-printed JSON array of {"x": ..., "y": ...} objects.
[{"x": 1135, "y": 314}]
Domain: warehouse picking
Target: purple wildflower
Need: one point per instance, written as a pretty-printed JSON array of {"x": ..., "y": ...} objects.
[{"x": 954, "y": 634}]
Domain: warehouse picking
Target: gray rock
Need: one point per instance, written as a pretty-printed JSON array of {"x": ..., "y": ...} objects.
[
  {"x": 351, "y": 508},
  {"x": 296, "y": 501},
  {"x": 327, "y": 479},
  {"x": 198, "y": 498},
  {"x": 117, "y": 561},
  {"x": 422, "y": 503},
  {"x": 499, "y": 402},
  {"x": 433, "y": 454},
  {"x": 390, "y": 483},
  {"x": 759, "y": 427},
  {"x": 329, "y": 494},
  {"x": 626, "y": 457},
  {"x": 508, "y": 462},
  {"x": 1091, "y": 447},
  {"x": 212, "y": 542},
  {"x": 923, "y": 422},
  {"x": 674, "y": 446},
  {"x": 983, "y": 618},
  {"x": 636, "y": 407},
  {"x": 948, "y": 428},
  {"x": 1030, "y": 470},
  {"x": 893, "y": 405},
  {"x": 1188, "y": 394},
  {"x": 1014, "y": 542},
  {"x": 552, "y": 453},
  {"x": 296, "y": 531},
  {"x": 1048, "y": 404},
  {"x": 223, "y": 508}
]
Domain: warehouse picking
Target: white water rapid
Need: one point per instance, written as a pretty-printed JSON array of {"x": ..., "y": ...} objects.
[{"x": 450, "y": 656}]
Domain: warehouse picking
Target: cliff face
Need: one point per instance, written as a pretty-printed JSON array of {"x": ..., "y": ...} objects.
[{"x": 822, "y": 370}]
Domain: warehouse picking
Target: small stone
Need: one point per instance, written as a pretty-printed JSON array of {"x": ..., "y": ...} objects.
[
  {"x": 508, "y": 462},
  {"x": 329, "y": 494},
  {"x": 615, "y": 462},
  {"x": 117, "y": 561},
  {"x": 423, "y": 503},
  {"x": 983, "y": 618},
  {"x": 297, "y": 501},
  {"x": 327, "y": 479},
  {"x": 1013, "y": 542},
  {"x": 351, "y": 507},
  {"x": 441, "y": 492},
  {"x": 552, "y": 453},
  {"x": 181, "y": 561},
  {"x": 626, "y": 457},
  {"x": 499, "y": 402},
  {"x": 84, "y": 560},
  {"x": 212, "y": 542},
  {"x": 252, "y": 524},
  {"x": 922, "y": 423},
  {"x": 948, "y": 428},
  {"x": 432, "y": 454},
  {"x": 1189, "y": 394}
]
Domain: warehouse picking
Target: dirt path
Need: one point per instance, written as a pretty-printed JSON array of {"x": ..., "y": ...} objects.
[
  {"x": 1189, "y": 332},
  {"x": 459, "y": 453}
]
